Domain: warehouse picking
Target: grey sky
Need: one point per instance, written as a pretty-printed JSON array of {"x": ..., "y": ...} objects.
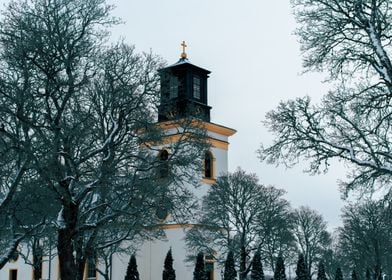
[{"x": 255, "y": 61}]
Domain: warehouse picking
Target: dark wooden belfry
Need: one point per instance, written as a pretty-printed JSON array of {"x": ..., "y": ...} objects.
[{"x": 183, "y": 91}]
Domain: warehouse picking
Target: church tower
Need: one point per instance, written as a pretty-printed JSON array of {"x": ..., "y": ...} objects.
[
  {"x": 184, "y": 95},
  {"x": 184, "y": 91}
]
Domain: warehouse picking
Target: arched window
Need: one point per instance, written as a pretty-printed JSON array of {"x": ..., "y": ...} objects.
[
  {"x": 163, "y": 164},
  {"x": 208, "y": 165}
]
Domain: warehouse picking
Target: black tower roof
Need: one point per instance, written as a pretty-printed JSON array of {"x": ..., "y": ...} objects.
[{"x": 183, "y": 91}]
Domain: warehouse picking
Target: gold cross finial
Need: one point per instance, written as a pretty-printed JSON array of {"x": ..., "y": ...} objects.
[{"x": 183, "y": 55}]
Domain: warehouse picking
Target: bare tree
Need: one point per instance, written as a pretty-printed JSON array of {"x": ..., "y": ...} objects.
[
  {"x": 275, "y": 232},
  {"x": 365, "y": 239},
  {"x": 80, "y": 116},
  {"x": 310, "y": 231},
  {"x": 23, "y": 214},
  {"x": 234, "y": 218},
  {"x": 351, "y": 40}
]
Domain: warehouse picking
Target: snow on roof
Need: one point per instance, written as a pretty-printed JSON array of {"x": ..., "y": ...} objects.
[{"x": 182, "y": 61}]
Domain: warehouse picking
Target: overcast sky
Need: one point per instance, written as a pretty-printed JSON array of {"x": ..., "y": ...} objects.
[{"x": 255, "y": 61}]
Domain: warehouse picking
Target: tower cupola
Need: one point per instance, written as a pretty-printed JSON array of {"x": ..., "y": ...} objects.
[{"x": 183, "y": 91}]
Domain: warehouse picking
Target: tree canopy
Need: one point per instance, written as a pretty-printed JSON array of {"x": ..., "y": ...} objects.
[
  {"x": 350, "y": 40},
  {"x": 312, "y": 237},
  {"x": 78, "y": 122},
  {"x": 240, "y": 215},
  {"x": 365, "y": 238}
]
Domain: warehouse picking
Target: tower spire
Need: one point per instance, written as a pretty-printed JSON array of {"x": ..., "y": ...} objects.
[{"x": 183, "y": 54}]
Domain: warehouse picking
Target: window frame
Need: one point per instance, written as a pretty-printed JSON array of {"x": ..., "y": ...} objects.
[
  {"x": 10, "y": 274},
  {"x": 173, "y": 87},
  {"x": 196, "y": 87},
  {"x": 210, "y": 160}
]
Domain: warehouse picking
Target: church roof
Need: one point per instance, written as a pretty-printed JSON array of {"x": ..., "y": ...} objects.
[{"x": 185, "y": 61}]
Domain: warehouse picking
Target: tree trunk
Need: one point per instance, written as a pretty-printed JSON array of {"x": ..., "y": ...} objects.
[
  {"x": 81, "y": 268},
  {"x": 243, "y": 263},
  {"x": 65, "y": 247},
  {"x": 80, "y": 259},
  {"x": 37, "y": 260}
]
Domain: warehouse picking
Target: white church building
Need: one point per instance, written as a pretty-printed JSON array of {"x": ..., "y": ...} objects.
[{"x": 184, "y": 93}]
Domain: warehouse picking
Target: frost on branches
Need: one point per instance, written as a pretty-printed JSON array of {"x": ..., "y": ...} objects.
[
  {"x": 349, "y": 39},
  {"x": 78, "y": 120}
]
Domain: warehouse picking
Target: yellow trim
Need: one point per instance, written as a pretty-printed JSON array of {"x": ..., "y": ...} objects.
[
  {"x": 58, "y": 268},
  {"x": 208, "y": 181},
  {"x": 220, "y": 129},
  {"x": 219, "y": 144},
  {"x": 172, "y": 139},
  {"x": 216, "y": 143},
  {"x": 176, "y": 226},
  {"x": 212, "y": 127},
  {"x": 179, "y": 226}
]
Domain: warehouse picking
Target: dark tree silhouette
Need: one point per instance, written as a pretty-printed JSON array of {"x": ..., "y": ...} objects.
[
  {"x": 257, "y": 268},
  {"x": 200, "y": 272},
  {"x": 321, "y": 272},
  {"x": 377, "y": 272},
  {"x": 168, "y": 272},
  {"x": 280, "y": 271},
  {"x": 354, "y": 275},
  {"x": 367, "y": 275},
  {"x": 338, "y": 274},
  {"x": 132, "y": 273},
  {"x": 301, "y": 271},
  {"x": 230, "y": 272},
  {"x": 260, "y": 217}
]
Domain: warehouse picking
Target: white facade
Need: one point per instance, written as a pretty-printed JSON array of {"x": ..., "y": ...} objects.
[
  {"x": 50, "y": 269},
  {"x": 151, "y": 255}
]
